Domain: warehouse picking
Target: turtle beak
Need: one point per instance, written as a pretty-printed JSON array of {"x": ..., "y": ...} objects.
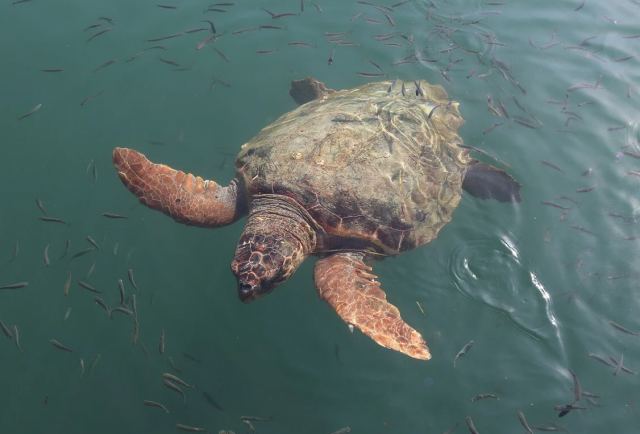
[
  {"x": 247, "y": 292},
  {"x": 251, "y": 289}
]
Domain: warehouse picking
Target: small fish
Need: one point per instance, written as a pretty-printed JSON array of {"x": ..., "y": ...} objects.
[
  {"x": 45, "y": 256},
  {"x": 155, "y": 404},
  {"x": 212, "y": 402},
  {"x": 176, "y": 380},
  {"x": 585, "y": 189},
  {"x": 563, "y": 410},
  {"x": 6, "y": 330},
  {"x": 169, "y": 62},
  {"x": 221, "y": 54},
  {"x": 41, "y": 207},
  {"x": 60, "y": 346},
  {"x": 89, "y": 98},
  {"x": 67, "y": 313},
  {"x": 619, "y": 365},
  {"x": 582, "y": 229},
  {"x": 81, "y": 367},
  {"x": 623, "y": 329},
  {"x": 265, "y": 51},
  {"x": 257, "y": 418},
  {"x": 16, "y": 335},
  {"x": 52, "y": 220},
  {"x": 82, "y": 252},
  {"x": 16, "y": 285},
  {"x": 30, "y": 112},
  {"x": 173, "y": 386},
  {"x": 131, "y": 279},
  {"x": 432, "y": 110},
  {"x": 52, "y": 70},
  {"x": 16, "y": 251},
  {"x": 275, "y": 16},
  {"x": 622, "y": 367},
  {"x": 88, "y": 287},
  {"x": 162, "y": 38},
  {"x": 330, "y": 59},
  {"x": 211, "y": 25},
  {"x": 100, "y": 302},
  {"x": 471, "y": 425},
  {"x": 167, "y": 6},
  {"x": 123, "y": 310},
  {"x": 162, "y": 343},
  {"x": 420, "y": 307},
  {"x": 135, "y": 333},
  {"x": 523, "y": 422},
  {"x": 93, "y": 242},
  {"x": 549, "y": 428},
  {"x": 555, "y": 205},
  {"x": 463, "y": 351},
  {"x": 248, "y": 29},
  {"x": 102, "y": 32},
  {"x": 249, "y": 425},
  {"x": 94, "y": 362},
  {"x": 601, "y": 359},
  {"x": 481, "y": 396},
  {"x": 344, "y": 430},
  {"x": 191, "y": 357},
  {"x": 112, "y": 215},
  {"x": 270, "y": 27},
  {"x": 190, "y": 428},
  {"x": 370, "y": 74},
  {"x": 577, "y": 388},
  {"x": 122, "y": 292},
  {"x": 134, "y": 305}
]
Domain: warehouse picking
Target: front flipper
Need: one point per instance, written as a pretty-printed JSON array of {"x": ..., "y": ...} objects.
[
  {"x": 488, "y": 182},
  {"x": 308, "y": 89},
  {"x": 346, "y": 283},
  {"x": 186, "y": 198}
]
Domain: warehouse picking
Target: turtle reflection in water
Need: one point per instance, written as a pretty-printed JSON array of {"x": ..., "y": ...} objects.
[{"x": 349, "y": 176}]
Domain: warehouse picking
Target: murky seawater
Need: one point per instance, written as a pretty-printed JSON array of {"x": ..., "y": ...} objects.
[{"x": 549, "y": 91}]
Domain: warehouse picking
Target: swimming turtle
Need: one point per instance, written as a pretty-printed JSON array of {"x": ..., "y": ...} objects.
[{"x": 348, "y": 176}]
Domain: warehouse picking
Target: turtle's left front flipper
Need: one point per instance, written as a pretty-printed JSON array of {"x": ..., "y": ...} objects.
[
  {"x": 346, "y": 283},
  {"x": 188, "y": 199},
  {"x": 488, "y": 182}
]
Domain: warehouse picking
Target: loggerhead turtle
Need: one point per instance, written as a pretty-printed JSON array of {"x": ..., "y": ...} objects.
[{"x": 349, "y": 176}]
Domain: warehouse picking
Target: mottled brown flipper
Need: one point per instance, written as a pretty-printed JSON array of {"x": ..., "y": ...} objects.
[
  {"x": 488, "y": 182},
  {"x": 346, "y": 283},
  {"x": 188, "y": 199},
  {"x": 308, "y": 89}
]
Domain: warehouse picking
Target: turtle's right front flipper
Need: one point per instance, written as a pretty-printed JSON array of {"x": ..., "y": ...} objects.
[
  {"x": 346, "y": 283},
  {"x": 188, "y": 199}
]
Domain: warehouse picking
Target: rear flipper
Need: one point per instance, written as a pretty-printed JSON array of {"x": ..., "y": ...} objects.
[
  {"x": 308, "y": 89},
  {"x": 488, "y": 182}
]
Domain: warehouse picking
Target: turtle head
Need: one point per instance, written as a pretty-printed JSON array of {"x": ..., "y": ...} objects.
[
  {"x": 262, "y": 262},
  {"x": 274, "y": 243}
]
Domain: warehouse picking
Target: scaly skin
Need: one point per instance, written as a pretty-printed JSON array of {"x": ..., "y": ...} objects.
[
  {"x": 188, "y": 199},
  {"x": 346, "y": 283}
]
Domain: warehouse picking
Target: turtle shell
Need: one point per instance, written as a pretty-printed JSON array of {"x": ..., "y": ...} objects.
[{"x": 379, "y": 167}]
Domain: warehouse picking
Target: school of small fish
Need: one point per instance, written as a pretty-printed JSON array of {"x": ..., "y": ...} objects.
[{"x": 453, "y": 61}]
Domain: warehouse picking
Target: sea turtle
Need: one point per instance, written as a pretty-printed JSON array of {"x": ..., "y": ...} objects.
[{"x": 348, "y": 176}]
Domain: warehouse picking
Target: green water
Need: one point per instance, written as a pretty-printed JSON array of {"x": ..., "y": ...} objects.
[{"x": 527, "y": 283}]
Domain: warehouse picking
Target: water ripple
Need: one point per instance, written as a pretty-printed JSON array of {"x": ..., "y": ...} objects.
[{"x": 490, "y": 271}]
